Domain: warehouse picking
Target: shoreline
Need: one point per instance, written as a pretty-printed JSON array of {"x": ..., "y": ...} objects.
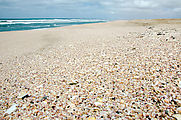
[
  {"x": 149, "y": 20},
  {"x": 49, "y": 23},
  {"x": 8, "y": 49},
  {"x": 20, "y": 45},
  {"x": 114, "y": 70}
]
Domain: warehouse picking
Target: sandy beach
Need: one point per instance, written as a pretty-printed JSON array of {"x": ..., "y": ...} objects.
[{"x": 115, "y": 70}]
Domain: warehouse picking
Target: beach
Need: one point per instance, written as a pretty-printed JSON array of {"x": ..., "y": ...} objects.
[{"x": 127, "y": 69}]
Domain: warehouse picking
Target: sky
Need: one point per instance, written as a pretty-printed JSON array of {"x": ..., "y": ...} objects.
[{"x": 102, "y": 9}]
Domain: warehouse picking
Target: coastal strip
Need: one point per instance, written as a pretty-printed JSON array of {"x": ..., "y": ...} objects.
[{"x": 114, "y": 70}]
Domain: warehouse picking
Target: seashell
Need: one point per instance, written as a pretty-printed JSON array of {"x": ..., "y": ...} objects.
[
  {"x": 24, "y": 106},
  {"x": 179, "y": 110},
  {"x": 40, "y": 86},
  {"x": 136, "y": 77},
  {"x": 91, "y": 118},
  {"x": 100, "y": 100},
  {"x": 26, "y": 119},
  {"x": 23, "y": 94},
  {"x": 11, "y": 109},
  {"x": 122, "y": 101},
  {"x": 177, "y": 116},
  {"x": 44, "y": 98},
  {"x": 179, "y": 102},
  {"x": 98, "y": 103},
  {"x": 73, "y": 83},
  {"x": 166, "y": 101}
]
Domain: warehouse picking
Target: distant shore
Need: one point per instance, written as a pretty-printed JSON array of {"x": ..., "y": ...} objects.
[{"x": 127, "y": 69}]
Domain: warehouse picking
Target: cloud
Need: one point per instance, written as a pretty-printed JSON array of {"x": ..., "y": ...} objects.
[
  {"x": 114, "y": 9},
  {"x": 141, "y": 9},
  {"x": 145, "y": 4}
]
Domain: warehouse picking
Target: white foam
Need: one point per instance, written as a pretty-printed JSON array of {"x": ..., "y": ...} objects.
[{"x": 8, "y": 22}]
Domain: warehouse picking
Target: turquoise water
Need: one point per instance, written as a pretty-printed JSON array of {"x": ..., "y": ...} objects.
[{"x": 40, "y": 23}]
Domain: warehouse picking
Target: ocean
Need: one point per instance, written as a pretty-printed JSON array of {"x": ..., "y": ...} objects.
[{"x": 15, "y": 24}]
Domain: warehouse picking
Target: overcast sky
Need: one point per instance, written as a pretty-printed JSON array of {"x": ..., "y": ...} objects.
[{"x": 106, "y": 9}]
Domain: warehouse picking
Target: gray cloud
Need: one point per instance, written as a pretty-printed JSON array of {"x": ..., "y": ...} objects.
[{"x": 114, "y": 9}]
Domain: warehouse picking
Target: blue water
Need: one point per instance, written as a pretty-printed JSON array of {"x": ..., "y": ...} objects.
[{"x": 40, "y": 23}]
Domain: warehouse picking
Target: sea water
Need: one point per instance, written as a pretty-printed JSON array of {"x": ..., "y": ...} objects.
[{"x": 14, "y": 24}]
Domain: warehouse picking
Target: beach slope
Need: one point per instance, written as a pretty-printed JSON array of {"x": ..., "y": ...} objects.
[{"x": 120, "y": 69}]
